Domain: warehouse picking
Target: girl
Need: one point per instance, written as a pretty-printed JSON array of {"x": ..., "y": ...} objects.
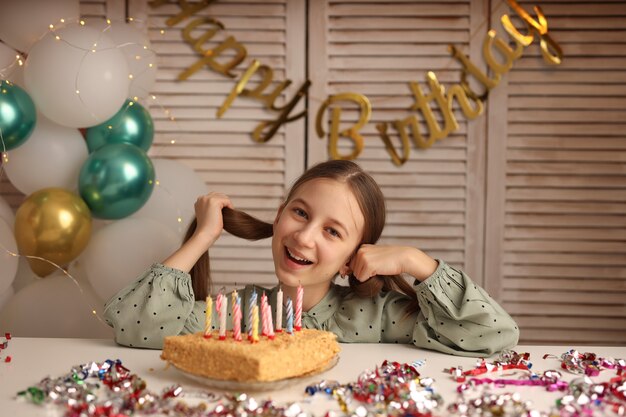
[{"x": 328, "y": 225}]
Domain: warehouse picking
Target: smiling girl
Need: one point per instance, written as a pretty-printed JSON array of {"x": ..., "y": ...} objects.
[{"x": 328, "y": 225}]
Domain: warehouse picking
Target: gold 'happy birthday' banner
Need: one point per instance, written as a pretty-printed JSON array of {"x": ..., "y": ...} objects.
[{"x": 469, "y": 101}]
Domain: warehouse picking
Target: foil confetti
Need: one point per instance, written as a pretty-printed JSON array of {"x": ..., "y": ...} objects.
[
  {"x": 108, "y": 389},
  {"x": 392, "y": 389},
  {"x": 588, "y": 363},
  {"x": 581, "y": 397},
  {"x": 3, "y": 346},
  {"x": 507, "y": 360}
]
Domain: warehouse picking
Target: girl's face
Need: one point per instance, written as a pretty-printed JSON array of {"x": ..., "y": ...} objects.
[{"x": 316, "y": 233}]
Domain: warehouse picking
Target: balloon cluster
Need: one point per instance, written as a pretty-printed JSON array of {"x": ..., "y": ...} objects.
[{"x": 74, "y": 139}]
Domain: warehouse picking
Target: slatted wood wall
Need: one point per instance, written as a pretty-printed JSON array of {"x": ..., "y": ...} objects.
[
  {"x": 529, "y": 198},
  {"x": 557, "y": 176},
  {"x": 377, "y": 48},
  {"x": 221, "y": 150}
]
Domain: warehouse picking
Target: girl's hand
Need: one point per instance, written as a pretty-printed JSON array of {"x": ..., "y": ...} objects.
[
  {"x": 371, "y": 260},
  {"x": 209, "y": 216}
]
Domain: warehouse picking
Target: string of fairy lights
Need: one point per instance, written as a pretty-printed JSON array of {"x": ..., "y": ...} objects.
[{"x": 19, "y": 61}]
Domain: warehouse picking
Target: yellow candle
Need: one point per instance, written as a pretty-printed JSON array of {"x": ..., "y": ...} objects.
[
  {"x": 207, "y": 319},
  {"x": 255, "y": 323}
]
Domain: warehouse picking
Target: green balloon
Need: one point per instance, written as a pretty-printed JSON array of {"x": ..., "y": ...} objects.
[
  {"x": 17, "y": 115},
  {"x": 132, "y": 124},
  {"x": 116, "y": 180}
]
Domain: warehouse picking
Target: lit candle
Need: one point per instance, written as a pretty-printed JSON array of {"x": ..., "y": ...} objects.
[
  {"x": 298, "y": 318},
  {"x": 263, "y": 314},
  {"x": 270, "y": 325},
  {"x": 237, "y": 320},
  {"x": 255, "y": 324},
  {"x": 279, "y": 310},
  {"x": 250, "y": 308},
  {"x": 224, "y": 309},
  {"x": 208, "y": 317},
  {"x": 289, "y": 316}
]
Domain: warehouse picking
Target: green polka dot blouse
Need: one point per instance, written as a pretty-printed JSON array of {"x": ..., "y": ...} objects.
[{"x": 456, "y": 316}]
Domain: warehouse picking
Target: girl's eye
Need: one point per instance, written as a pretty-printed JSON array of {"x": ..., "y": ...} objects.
[
  {"x": 333, "y": 232},
  {"x": 300, "y": 212}
]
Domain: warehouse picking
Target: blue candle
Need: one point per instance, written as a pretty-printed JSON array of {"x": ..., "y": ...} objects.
[
  {"x": 250, "y": 308},
  {"x": 289, "y": 316}
]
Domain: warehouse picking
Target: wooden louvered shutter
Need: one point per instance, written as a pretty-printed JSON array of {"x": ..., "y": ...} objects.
[
  {"x": 434, "y": 200},
  {"x": 222, "y": 151},
  {"x": 556, "y": 233}
]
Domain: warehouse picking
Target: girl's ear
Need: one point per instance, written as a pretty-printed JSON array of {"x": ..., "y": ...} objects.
[{"x": 344, "y": 270}]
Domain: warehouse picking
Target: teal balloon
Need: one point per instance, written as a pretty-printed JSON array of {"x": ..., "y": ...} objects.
[
  {"x": 116, "y": 180},
  {"x": 132, "y": 124},
  {"x": 17, "y": 115}
]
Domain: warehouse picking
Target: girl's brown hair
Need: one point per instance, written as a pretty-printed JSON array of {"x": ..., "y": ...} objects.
[{"x": 372, "y": 204}]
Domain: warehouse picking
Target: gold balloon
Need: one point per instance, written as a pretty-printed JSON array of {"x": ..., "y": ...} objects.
[{"x": 54, "y": 224}]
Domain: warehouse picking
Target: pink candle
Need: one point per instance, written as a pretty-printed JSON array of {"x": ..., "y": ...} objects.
[
  {"x": 237, "y": 320},
  {"x": 263, "y": 314},
  {"x": 222, "y": 304},
  {"x": 270, "y": 325},
  {"x": 298, "y": 318},
  {"x": 279, "y": 310}
]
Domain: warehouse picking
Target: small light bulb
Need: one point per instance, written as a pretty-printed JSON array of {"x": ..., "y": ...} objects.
[
  {"x": 162, "y": 32},
  {"x": 110, "y": 127},
  {"x": 180, "y": 220},
  {"x": 108, "y": 21},
  {"x": 130, "y": 19},
  {"x": 137, "y": 57},
  {"x": 153, "y": 97},
  {"x": 77, "y": 92},
  {"x": 172, "y": 141},
  {"x": 130, "y": 76},
  {"x": 57, "y": 37},
  {"x": 82, "y": 23},
  {"x": 62, "y": 20},
  {"x": 157, "y": 182},
  {"x": 51, "y": 26},
  {"x": 131, "y": 103},
  {"x": 150, "y": 65}
]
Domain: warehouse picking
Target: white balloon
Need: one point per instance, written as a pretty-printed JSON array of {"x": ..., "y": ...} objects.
[
  {"x": 70, "y": 83},
  {"x": 178, "y": 187},
  {"x": 25, "y": 276},
  {"x": 9, "y": 62},
  {"x": 6, "y": 296},
  {"x": 8, "y": 262},
  {"x": 140, "y": 57},
  {"x": 6, "y": 212},
  {"x": 51, "y": 157},
  {"x": 23, "y": 22},
  {"x": 119, "y": 252},
  {"x": 54, "y": 307}
]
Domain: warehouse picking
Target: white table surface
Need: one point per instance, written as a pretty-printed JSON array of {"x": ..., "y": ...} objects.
[{"x": 35, "y": 358}]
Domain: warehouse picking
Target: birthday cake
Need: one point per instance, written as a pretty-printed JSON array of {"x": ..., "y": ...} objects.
[{"x": 304, "y": 352}]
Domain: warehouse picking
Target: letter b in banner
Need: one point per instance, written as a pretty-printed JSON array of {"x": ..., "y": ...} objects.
[{"x": 365, "y": 112}]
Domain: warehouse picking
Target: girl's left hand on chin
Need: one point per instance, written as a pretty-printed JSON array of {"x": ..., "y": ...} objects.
[{"x": 371, "y": 260}]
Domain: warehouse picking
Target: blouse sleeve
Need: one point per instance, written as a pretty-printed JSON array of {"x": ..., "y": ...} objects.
[
  {"x": 160, "y": 303},
  {"x": 458, "y": 317}
]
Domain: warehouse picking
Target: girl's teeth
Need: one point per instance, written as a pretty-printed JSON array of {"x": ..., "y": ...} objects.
[{"x": 298, "y": 258}]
